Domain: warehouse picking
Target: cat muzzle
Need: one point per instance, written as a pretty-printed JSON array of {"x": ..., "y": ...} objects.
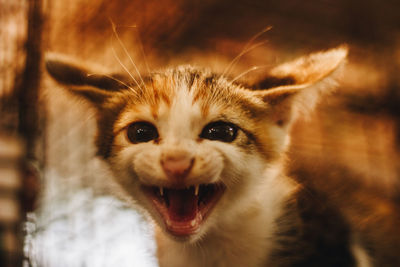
[{"x": 183, "y": 210}]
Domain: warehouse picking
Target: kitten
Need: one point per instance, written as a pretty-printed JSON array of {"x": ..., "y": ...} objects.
[{"x": 204, "y": 156}]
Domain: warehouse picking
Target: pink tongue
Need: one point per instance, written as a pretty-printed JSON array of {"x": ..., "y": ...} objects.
[{"x": 182, "y": 204}]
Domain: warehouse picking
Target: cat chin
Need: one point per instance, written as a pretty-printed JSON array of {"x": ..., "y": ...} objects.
[{"x": 189, "y": 239}]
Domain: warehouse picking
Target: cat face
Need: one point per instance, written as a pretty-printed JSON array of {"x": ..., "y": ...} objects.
[{"x": 189, "y": 145}]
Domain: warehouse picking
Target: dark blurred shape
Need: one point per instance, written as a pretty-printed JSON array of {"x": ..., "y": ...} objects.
[
  {"x": 20, "y": 35},
  {"x": 27, "y": 85}
]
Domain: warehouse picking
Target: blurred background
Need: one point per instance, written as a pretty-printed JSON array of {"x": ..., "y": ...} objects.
[{"x": 56, "y": 200}]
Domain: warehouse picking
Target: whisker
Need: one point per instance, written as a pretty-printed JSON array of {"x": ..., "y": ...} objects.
[
  {"x": 141, "y": 46},
  {"x": 245, "y": 48},
  {"x": 124, "y": 67},
  {"x": 246, "y": 72},
  {"x": 142, "y": 50},
  {"x": 234, "y": 61},
  {"x": 115, "y": 79},
  {"x": 114, "y": 28},
  {"x": 266, "y": 29}
]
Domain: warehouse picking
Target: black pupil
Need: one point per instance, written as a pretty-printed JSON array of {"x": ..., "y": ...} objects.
[
  {"x": 220, "y": 131},
  {"x": 140, "y": 132}
]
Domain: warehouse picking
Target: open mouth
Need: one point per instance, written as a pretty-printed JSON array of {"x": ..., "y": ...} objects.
[{"x": 184, "y": 210}]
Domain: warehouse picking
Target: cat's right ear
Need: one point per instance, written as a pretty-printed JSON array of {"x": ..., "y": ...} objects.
[
  {"x": 95, "y": 88},
  {"x": 301, "y": 83}
]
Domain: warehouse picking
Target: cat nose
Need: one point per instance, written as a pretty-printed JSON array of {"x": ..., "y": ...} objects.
[{"x": 177, "y": 167}]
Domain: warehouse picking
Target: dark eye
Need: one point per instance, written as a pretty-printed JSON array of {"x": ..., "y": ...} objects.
[
  {"x": 140, "y": 132},
  {"x": 220, "y": 131}
]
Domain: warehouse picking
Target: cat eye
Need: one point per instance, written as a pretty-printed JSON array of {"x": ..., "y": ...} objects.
[
  {"x": 140, "y": 132},
  {"x": 220, "y": 131}
]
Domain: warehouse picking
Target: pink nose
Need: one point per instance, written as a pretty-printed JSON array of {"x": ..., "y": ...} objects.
[{"x": 177, "y": 167}]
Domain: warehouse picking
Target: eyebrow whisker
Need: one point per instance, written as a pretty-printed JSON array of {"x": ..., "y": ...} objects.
[
  {"x": 114, "y": 28},
  {"x": 247, "y": 48}
]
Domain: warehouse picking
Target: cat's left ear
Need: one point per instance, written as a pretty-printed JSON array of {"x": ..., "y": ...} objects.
[
  {"x": 91, "y": 85},
  {"x": 304, "y": 81}
]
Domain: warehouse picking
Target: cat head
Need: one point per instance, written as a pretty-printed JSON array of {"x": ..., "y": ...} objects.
[{"x": 188, "y": 144}]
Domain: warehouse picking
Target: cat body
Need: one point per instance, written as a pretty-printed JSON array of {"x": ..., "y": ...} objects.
[{"x": 204, "y": 156}]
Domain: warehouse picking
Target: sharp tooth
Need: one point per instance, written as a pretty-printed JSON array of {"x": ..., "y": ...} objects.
[
  {"x": 161, "y": 190},
  {"x": 196, "y": 190}
]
